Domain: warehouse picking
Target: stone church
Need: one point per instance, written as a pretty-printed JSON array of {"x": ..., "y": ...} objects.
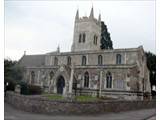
[{"x": 87, "y": 69}]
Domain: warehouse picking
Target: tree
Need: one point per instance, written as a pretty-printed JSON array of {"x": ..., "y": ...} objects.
[
  {"x": 151, "y": 64},
  {"x": 106, "y": 42},
  {"x": 12, "y": 73}
]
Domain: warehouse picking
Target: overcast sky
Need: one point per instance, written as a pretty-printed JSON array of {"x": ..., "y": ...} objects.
[{"x": 38, "y": 27}]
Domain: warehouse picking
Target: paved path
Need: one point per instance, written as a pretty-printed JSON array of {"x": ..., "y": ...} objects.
[{"x": 11, "y": 113}]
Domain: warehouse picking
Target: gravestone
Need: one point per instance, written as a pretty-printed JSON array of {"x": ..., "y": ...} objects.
[{"x": 18, "y": 89}]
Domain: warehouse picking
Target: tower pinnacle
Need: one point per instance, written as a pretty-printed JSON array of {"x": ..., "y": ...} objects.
[
  {"x": 77, "y": 15},
  {"x": 58, "y": 49},
  {"x": 99, "y": 18},
  {"x": 92, "y": 13}
]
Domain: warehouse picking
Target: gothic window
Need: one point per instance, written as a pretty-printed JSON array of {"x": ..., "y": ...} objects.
[
  {"x": 68, "y": 60},
  {"x": 108, "y": 80},
  {"x": 119, "y": 84},
  {"x": 80, "y": 37},
  {"x": 100, "y": 60},
  {"x": 32, "y": 77},
  {"x": 86, "y": 79},
  {"x": 51, "y": 75},
  {"x": 118, "y": 59},
  {"x": 55, "y": 61},
  {"x": 84, "y": 37},
  {"x": 83, "y": 60},
  {"x": 95, "y": 40}
]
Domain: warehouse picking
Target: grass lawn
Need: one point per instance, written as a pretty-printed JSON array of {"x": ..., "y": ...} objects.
[
  {"x": 86, "y": 98},
  {"x": 54, "y": 96},
  {"x": 77, "y": 98}
]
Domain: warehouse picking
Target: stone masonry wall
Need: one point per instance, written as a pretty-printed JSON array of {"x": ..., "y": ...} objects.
[{"x": 38, "y": 104}]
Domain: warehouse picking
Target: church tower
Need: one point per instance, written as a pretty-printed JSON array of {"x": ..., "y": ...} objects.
[{"x": 87, "y": 33}]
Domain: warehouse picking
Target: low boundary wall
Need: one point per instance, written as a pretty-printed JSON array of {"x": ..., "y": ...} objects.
[{"x": 38, "y": 104}]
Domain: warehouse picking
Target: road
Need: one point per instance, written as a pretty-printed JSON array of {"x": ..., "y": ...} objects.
[{"x": 11, "y": 113}]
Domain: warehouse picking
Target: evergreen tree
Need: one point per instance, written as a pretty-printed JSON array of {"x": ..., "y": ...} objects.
[
  {"x": 151, "y": 64},
  {"x": 12, "y": 73},
  {"x": 106, "y": 42}
]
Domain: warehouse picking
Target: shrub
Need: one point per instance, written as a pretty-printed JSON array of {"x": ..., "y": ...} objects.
[
  {"x": 24, "y": 88},
  {"x": 34, "y": 90},
  {"x": 27, "y": 89},
  {"x": 11, "y": 86}
]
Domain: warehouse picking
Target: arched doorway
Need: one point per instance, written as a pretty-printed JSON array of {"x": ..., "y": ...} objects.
[{"x": 60, "y": 84}]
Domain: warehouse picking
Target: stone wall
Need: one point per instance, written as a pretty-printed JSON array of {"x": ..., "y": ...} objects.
[{"x": 38, "y": 104}]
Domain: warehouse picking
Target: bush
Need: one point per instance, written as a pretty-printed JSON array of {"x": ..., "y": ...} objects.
[
  {"x": 34, "y": 90},
  {"x": 24, "y": 88},
  {"x": 11, "y": 85},
  {"x": 30, "y": 89}
]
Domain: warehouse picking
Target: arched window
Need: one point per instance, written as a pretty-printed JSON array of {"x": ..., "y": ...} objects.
[
  {"x": 86, "y": 79},
  {"x": 55, "y": 61},
  {"x": 100, "y": 60},
  {"x": 118, "y": 59},
  {"x": 80, "y": 37},
  {"x": 51, "y": 75},
  {"x": 108, "y": 80},
  {"x": 68, "y": 60},
  {"x": 84, "y": 37},
  {"x": 83, "y": 60},
  {"x": 32, "y": 77},
  {"x": 95, "y": 40}
]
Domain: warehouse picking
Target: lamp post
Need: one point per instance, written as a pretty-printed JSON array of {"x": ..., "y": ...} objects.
[{"x": 153, "y": 72}]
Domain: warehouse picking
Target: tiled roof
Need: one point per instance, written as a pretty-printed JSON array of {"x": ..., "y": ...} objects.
[{"x": 32, "y": 60}]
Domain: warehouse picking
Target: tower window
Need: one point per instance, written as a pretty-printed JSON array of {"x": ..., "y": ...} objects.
[
  {"x": 108, "y": 80},
  {"x": 83, "y": 60},
  {"x": 84, "y": 37},
  {"x": 86, "y": 79},
  {"x": 68, "y": 60},
  {"x": 80, "y": 37},
  {"x": 55, "y": 61},
  {"x": 118, "y": 59},
  {"x": 100, "y": 60},
  {"x": 32, "y": 77},
  {"x": 95, "y": 40}
]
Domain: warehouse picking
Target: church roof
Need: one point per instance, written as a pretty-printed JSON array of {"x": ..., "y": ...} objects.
[{"x": 32, "y": 60}]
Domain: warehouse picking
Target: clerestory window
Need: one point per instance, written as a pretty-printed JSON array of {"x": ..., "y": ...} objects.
[
  {"x": 118, "y": 59},
  {"x": 100, "y": 60}
]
